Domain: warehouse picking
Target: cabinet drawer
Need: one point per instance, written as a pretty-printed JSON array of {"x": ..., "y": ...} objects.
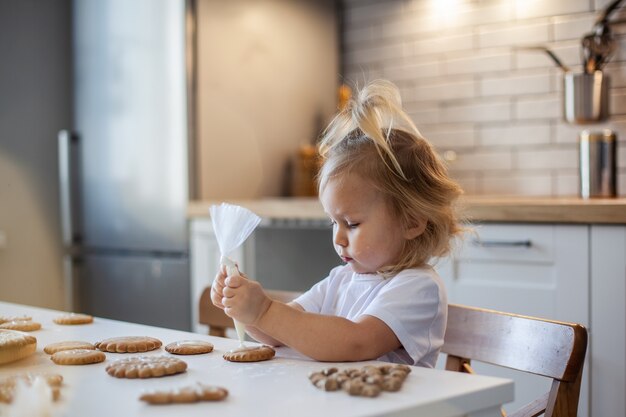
[{"x": 508, "y": 242}]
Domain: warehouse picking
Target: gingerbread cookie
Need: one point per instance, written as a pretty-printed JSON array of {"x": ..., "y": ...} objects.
[
  {"x": 129, "y": 344},
  {"x": 368, "y": 381},
  {"x": 146, "y": 367},
  {"x": 53, "y": 348},
  {"x": 189, "y": 347},
  {"x": 15, "y": 345},
  {"x": 7, "y": 385},
  {"x": 250, "y": 354},
  {"x": 74, "y": 318},
  {"x": 4, "y": 319},
  {"x": 78, "y": 357},
  {"x": 21, "y": 325},
  {"x": 191, "y": 394}
]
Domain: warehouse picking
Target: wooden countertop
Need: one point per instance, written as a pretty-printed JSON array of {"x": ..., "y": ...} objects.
[{"x": 476, "y": 208}]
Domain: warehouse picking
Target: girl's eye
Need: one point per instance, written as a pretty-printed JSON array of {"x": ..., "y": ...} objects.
[{"x": 353, "y": 225}]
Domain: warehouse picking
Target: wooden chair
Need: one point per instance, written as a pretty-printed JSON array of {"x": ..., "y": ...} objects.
[
  {"x": 218, "y": 321},
  {"x": 549, "y": 348}
]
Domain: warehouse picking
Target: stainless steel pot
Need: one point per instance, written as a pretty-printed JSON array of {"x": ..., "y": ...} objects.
[{"x": 585, "y": 97}]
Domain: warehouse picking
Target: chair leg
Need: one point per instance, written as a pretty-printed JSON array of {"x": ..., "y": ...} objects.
[
  {"x": 217, "y": 331},
  {"x": 457, "y": 364},
  {"x": 568, "y": 394}
]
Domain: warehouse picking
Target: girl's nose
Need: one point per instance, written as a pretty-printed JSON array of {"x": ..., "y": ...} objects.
[{"x": 340, "y": 238}]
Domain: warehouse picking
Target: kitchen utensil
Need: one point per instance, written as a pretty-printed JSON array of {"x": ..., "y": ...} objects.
[
  {"x": 604, "y": 17},
  {"x": 597, "y": 48},
  {"x": 598, "y": 164},
  {"x": 586, "y": 94},
  {"x": 585, "y": 97},
  {"x": 232, "y": 225},
  {"x": 550, "y": 54},
  {"x": 599, "y": 44}
]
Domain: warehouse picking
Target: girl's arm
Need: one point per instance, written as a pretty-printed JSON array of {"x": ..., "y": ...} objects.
[
  {"x": 323, "y": 338},
  {"x": 262, "y": 337}
]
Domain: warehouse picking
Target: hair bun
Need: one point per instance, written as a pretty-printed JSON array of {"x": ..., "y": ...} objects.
[
  {"x": 379, "y": 93},
  {"x": 377, "y": 102}
]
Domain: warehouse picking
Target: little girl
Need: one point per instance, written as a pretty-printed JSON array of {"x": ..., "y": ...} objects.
[{"x": 391, "y": 204}]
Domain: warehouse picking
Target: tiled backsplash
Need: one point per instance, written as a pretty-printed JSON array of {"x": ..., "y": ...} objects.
[{"x": 471, "y": 90}]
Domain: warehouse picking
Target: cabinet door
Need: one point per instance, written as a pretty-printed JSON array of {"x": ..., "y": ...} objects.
[
  {"x": 536, "y": 270},
  {"x": 608, "y": 320}
]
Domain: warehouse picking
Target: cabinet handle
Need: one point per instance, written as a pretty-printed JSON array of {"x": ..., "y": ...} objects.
[{"x": 501, "y": 243}]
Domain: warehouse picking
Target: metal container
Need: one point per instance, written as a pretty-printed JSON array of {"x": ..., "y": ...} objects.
[
  {"x": 598, "y": 164},
  {"x": 585, "y": 97}
]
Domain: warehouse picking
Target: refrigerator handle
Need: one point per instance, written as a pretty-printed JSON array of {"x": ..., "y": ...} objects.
[
  {"x": 69, "y": 187},
  {"x": 68, "y": 182}
]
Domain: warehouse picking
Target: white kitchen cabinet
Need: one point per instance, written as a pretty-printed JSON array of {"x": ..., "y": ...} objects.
[
  {"x": 608, "y": 320},
  {"x": 537, "y": 270}
]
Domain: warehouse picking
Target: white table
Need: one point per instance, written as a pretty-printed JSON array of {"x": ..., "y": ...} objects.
[{"x": 278, "y": 387}]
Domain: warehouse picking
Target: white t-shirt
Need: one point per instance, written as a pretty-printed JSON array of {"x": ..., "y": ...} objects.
[{"x": 413, "y": 304}]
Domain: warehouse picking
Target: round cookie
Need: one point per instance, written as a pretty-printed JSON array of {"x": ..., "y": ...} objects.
[
  {"x": 74, "y": 318},
  {"x": 78, "y": 357},
  {"x": 4, "y": 319},
  {"x": 253, "y": 354},
  {"x": 189, "y": 347},
  {"x": 21, "y": 325},
  {"x": 146, "y": 367},
  {"x": 199, "y": 392},
  {"x": 15, "y": 345},
  {"x": 129, "y": 344},
  {"x": 53, "y": 348}
]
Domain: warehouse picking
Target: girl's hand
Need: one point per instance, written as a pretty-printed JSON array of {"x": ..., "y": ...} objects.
[
  {"x": 217, "y": 288},
  {"x": 244, "y": 300}
]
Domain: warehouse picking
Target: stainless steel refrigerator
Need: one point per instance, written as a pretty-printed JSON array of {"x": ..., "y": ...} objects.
[{"x": 124, "y": 165}]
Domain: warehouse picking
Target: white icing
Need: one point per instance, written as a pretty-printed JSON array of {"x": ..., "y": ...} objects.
[{"x": 243, "y": 348}]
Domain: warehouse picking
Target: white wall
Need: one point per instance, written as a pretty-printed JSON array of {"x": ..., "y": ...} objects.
[
  {"x": 267, "y": 71},
  {"x": 470, "y": 91},
  {"x": 34, "y": 104}
]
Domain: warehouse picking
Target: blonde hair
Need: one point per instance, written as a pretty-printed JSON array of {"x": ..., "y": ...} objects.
[{"x": 375, "y": 139}]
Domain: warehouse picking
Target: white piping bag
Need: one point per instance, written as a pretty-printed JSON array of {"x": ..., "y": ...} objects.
[{"x": 232, "y": 226}]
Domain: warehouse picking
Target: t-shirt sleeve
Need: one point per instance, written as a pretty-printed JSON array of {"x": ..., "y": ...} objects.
[
  {"x": 415, "y": 308},
  {"x": 312, "y": 300}
]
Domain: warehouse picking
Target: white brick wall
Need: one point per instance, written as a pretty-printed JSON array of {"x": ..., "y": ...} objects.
[{"x": 471, "y": 89}]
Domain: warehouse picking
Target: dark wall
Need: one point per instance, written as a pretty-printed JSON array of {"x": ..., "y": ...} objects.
[{"x": 35, "y": 102}]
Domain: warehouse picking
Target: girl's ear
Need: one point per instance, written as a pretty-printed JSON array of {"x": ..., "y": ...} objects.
[{"x": 416, "y": 229}]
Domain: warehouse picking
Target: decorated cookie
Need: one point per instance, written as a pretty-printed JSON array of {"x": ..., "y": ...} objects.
[
  {"x": 74, "y": 318},
  {"x": 4, "y": 319},
  {"x": 146, "y": 367},
  {"x": 190, "y": 394},
  {"x": 78, "y": 357},
  {"x": 250, "y": 354},
  {"x": 59, "y": 346},
  {"x": 129, "y": 344},
  {"x": 15, "y": 345},
  {"x": 189, "y": 347},
  {"x": 21, "y": 325}
]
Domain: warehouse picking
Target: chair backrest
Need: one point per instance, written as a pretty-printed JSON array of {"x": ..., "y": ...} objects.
[
  {"x": 549, "y": 348},
  {"x": 218, "y": 321}
]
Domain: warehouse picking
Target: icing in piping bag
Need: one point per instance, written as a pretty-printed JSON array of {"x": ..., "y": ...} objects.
[{"x": 232, "y": 226}]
